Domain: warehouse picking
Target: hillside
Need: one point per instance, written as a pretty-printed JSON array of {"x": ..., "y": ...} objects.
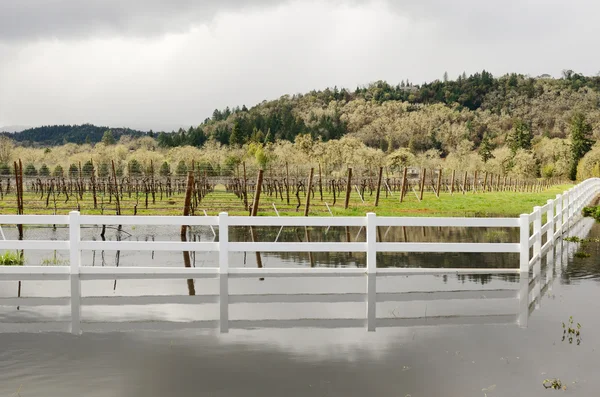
[
  {"x": 437, "y": 115},
  {"x": 511, "y": 125},
  {"x": 60, "y": 134}
]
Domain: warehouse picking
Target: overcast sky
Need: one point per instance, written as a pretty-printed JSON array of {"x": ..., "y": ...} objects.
[{"x": 162, "y": 64}]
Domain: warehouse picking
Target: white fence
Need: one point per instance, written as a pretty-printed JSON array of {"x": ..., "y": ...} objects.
[{"x": 559, "y": 215}]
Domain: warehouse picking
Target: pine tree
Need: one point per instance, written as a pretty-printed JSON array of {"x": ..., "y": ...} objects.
[
  {"x": 165, "y": 170},
  {"x": 236, "y": 137},
  {"x": 44, "y": 170},
  {"x": 88, "y": 168},
  {"x": 520, "y": 137},
  {"x": 30, "y": 170},
  {"x": 58, "y": 171},
  {"x": 580, "y": 141},
  {"x": 181, "y": 169},
  {"x": 73, "y": 170},
  {"x": 485, "y": 149},
  {"x": 108, "y": 138}
]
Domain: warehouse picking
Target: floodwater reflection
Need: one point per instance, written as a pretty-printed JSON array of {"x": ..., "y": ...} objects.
[{"x": 426, "y": 359}]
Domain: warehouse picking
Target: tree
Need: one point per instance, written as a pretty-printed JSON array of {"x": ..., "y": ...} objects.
[
  {"x": 88, "y": 168},
  {"x": 6, "y": 148},
  {"x": 520, "y": 136},
  {"x": 103, "y": 170},
  {"x": 236, "y": 137},
  {"x": 30, "y": 170},
  {"x": 165, "y": 140},
  {"x": 485, "y": 149},
  {"x": 445, "y": 77},
  {"x": 165, "y": 169},
  {"x": 58, "y": 171},
  {"x": 4, "y": 169},
  {"x": 181, "y": 169},
  {"x": 108, "y": 138},
  {"x": 73, "y": 170},
  {"x": 580, "y": 141},
  {"x": 134, "y": 168},
  {"x": 44, "y": 170}
]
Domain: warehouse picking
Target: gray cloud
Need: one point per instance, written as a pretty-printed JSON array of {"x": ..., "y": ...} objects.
[
  {"x": 66, "y": 19},
  {"x": 161, "y": 63}
]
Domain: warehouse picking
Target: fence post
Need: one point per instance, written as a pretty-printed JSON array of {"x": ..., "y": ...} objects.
[
  {"x": 223, "y": 243},
  {"x": 524, "y": 241},
  {"x": 371, "y": 243},
  {"x": 550, "y": 221},
  {"x": 223, "y": 272},
  {"x": 565, "y": 214},
  {"x": 537, "y": 231},
  {"x": 558, "y": 211},
  {"x": 75, "y": 263}
]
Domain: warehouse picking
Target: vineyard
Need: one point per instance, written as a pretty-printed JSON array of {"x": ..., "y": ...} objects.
[{"x": 284, "y": 191}]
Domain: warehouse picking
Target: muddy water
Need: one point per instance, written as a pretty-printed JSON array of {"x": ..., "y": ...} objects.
[{"x": 495, "y": 359}]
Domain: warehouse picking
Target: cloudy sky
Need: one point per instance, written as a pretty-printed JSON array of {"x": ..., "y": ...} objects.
[{"x": 162, "y": 64}]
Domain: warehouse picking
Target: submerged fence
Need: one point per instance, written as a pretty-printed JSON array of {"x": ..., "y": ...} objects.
[{"x": 538, "y": 233}]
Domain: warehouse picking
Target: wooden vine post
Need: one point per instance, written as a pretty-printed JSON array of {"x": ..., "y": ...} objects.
[
  {"x": 246, "y": 188},
  {"x": 187, "y": 204},
  {"x": 259, "y": 181},
  {"x": 452, "y": 182},
  {"x": 93, "y": 182},
  {"x": 439, "y": 183},
  {"x": 287, "y": 182},
  {"x": 308, "y": 187},
  {"x": 403, "y": 188},
  {"x": 378, "y": 186},
  {"x": 348, "y": 188},
  {"x": 320, "y": 182},
  {"x": 117, "y": 200},
  {"x": 464, "y": 185},
  {"x": 422, "y": 184}
]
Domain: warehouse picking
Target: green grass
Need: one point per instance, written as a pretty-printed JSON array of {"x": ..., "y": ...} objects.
[
  {"x": 9, "y": 258},
  {"x": 470, "y": 204}
]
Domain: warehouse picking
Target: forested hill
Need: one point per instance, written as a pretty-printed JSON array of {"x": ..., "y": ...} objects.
[
  {"x": 59, "y": 134},
  {"x": 437, "y": 115}
]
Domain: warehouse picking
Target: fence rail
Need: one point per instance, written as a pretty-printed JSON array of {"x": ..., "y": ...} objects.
[{"x": 539, "y": 231}]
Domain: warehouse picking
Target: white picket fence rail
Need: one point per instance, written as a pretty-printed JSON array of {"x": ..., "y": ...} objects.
[{"x": 560, "y": 214}]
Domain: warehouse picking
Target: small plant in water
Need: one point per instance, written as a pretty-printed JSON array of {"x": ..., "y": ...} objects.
[
  {"x": 554, "y": 383},
  {"x": 571, "y": 332},
  {"x": 54, "y": 261},
  {"x": 11, "y": 259}
]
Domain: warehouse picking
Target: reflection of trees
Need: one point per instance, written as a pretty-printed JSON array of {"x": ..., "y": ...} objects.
[
  {"x": 413, "y": 234},
  {"x": 588, "y": 267}
]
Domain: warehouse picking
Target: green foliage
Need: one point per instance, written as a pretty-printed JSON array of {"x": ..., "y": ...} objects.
[
  {"x": 553, "y": 383},
  {"x": 59, "y": 134},
  {"x": 103, "y": 170},
  {"x": 548, "y": 171},
  {"x": 486, "y": 147},
  {"x": 571, "y": 332},
  {"x": 58, "y": 171},
  {"x": 44, "y": 170},
  {"x": 119, "y": 170},
  {"x": 4, "y": 169},
  {"x": 134, "y": 168},
  {"x": 108, "y": 138},
  {"x": 9, "y": 258},
  {"x": 580, "y": 141},
  {"x": 88, "y": 168},
  {"x": 593, "y": 212},
  {"x": 30, "y": 170},
  {"x": 165, "y": 169},
  {"x": 181, "y": 169},
  {"x": 520, "y": 136},
  {"x": 73, "y": 171}
]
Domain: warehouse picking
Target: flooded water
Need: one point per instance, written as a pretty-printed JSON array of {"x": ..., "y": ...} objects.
[{"x": 472, "y": 337}]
